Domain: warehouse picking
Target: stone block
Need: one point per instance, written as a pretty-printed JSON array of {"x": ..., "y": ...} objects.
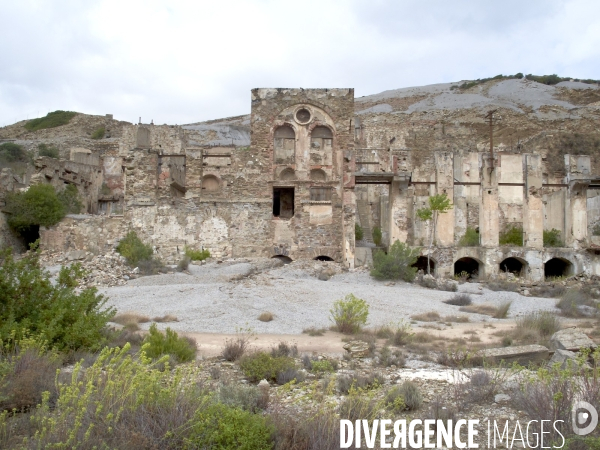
[
  {"x": 563, "y": 357},
  {"x": 357, "y": 349},
  {"x": 523, "y": 354},
  {"x": 572, "y": 339}
]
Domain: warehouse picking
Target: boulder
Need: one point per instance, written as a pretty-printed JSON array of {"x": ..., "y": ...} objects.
[
  {"x": 563, "y": 357},
  {"x": 522, "y": 354},
  {"x": 357, "y": 349},
  {"x": 572, "y": 339}
]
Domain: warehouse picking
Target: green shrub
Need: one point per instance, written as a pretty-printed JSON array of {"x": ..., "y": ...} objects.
[
  {"x": 98, "y": 133},
  {"x": 596, "y": 230},
  {"x": 11, "y": 152},
  {"x": 552, "y": 238},
  {"x": 50, "y": 120},
  {"x": 406, "y": 397},
  {"x": 51, "y": 152},
  {"x": 31, "y": 304},
  {"x": 157, "y": 344},
  {"x": 69, "y": 197},
  {"x": 349, "y": 314},
  {"x": 196, "y": 255},
  {"x": 261, "y": 365},
  {"x": 322, "y": 366},
  {"x": 221, "y": 427},
  {"x": 358, "y": 232},
  {"x": 512, "y": 236},
  {"x": 183, "y": 264},
  {"x": 470, "y": 238},
  {"x": 377, "y": 236},
  {"x": 396, "y": 264},
  {"x": 38, "y": 206},
  {"x": 133, "y": 249}
]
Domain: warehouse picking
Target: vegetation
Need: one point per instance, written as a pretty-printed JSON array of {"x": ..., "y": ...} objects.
[
  {"x": 470, "y": 84},
  {"x": 545, "y": 323},
  {"x": 574, "y": 301},
  {"x": 157, "y": 344},
  {"x": 552, "y": 238},
  {"x": 377, "y": 236},
  {"x": 98, "y": 133},
  {"x": 459, "y": 300},
  {"x": 133, "y": 249},
  {"x": 438, "y": 204},
  {"x": 396, "y": 264},
  {"x": 406, "y": 397},
  {"x": 197, "y": 255},
  {"x": 10, "y": 152},
  {"x": 50, "y": 120},
  {"x": 60, "y": 314},
  {"x": 69, "y": 197},
  {"x": 544, "y": 79},
  {"x": 261, "y": 365},
  {"x": 358, "y": 232},
  {"x": 50, "y": 151},
  {"x": 38, "y": 206},
  {"x": 470, "y": 238},
  {"x": 349, "y": 314},
  {"x": 512, "y": 236}
]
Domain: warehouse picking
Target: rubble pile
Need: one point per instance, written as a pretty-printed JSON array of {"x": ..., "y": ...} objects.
[{"x": 101, "y": 270}]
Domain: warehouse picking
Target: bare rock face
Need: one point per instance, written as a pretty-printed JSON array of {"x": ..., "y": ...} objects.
[
  {"x": 357, "y": 349},
  {"x": 572, "y": 339},
  {"x": 522, "y": 354}
]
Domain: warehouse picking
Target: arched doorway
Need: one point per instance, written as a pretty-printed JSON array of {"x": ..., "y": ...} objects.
[
  {"x": 421, "y": 264},
  {"x": 323, "y": 258},
  {"x": 468, "y": 265},
  {"x": 558, "y": 267},
  {"x": 283, "y": 259},
  {"x": 513, "y": 265}
]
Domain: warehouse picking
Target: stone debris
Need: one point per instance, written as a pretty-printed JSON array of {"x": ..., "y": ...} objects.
[
  {"x": 101, "y": 270},
  {"x": 357, "y": 349},
  {"x": 572, "y": 339},
  {"x": 522, "y": 354},
  {"x": 562, "y": 357}
]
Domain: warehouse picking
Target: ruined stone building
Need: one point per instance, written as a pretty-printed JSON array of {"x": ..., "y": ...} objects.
[{"x": 292, "y": 180}]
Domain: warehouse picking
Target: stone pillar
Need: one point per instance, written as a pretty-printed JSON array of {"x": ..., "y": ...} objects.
[
  {"x": 533, "y": 206},
  {"x": 444, "y": 177},
  {"x": 489, "y": 217},
  {"x": 399, "y": 210},
  {"x": 348, "y": 209},
  {"x": 578, "y": 179}
]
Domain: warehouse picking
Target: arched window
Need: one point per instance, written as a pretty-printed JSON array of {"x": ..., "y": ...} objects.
[
  {"x": 287, "y": 174},
  {"x": 285, "y": 145},
  {"x": 321, "y": 146},
  {"x": 210, "y": 183},
  {"x": 318, "y": 175}
]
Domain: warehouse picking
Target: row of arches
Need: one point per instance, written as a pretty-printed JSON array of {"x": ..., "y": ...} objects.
[{"x": 289, "y": 174}]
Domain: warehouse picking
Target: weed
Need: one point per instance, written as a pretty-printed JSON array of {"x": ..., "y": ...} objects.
[
  {"x": 502, "y": 310},
  {"x": 183, "y": 264},
  {"x": 248, "y": 398},
  {"x": 387, "y": 358},
  {"x": 553, "y": 238},
  {"x": 470, "y": 238},
  {"x": 197, "y": 255},
  {"x": 543, "y": 322},
  {"x": 157, "y": 344},
  {"x": 396, "y": 264},
  {"x": 289, "y": 375},
  {"x": 49, "y": 151},
  {"x": 358, "y": 407},
  {"x": 406, "y": 397},
  {"x": 512, "y": 236},
  {"x": 459, "y": 300},
  {"x": 285, "y": 349},
  {"x": 358, "y": 232},
  {"x": 235, "y": 348},
  {"x": 402, "y": 334},
  {"x": 377, "y": 236},
  {"x": 165, "y": 318},
  {"x": 347, "y": 383},
  {"x": 312, "y": 331},
  {"x": 548, "y": 291},
  {"x": 349, "y": 314},
  {"x": 572, "y": 300},
  {"x": 261, "y": 365},
  {"x": 502, "y": 285},
  {"x": 98, "y": 133},
  {"x": 133, "y": 249}
]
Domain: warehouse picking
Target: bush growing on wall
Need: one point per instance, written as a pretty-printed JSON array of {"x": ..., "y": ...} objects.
[
  {"x": 552, "y": 238},
  {"x": 69, "y": 197},
  {"x": 196, "y": 255},
  {"x": 470, "y": 238},
  {"x": 358, "y": 232},
  {"x": 98, "y": 133},
  {"x": 50, "y": 151},
  {"x": 396, "y": 264},
  {"x": 512, "y": 236}
]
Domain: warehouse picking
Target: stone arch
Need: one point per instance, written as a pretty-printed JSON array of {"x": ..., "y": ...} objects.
[
  {"x": 211, "y": 183},
  {"x": 469, "y": 265},
  {"x": 287, "y": 174},
  {"x": 558, "y": 267},
  {"x": 284, "y": 144},
  {"x": 318, "y": 175},
  {"x": 514, "y": 265},
  {"x": 321, "y": 145},
  {"x": 323, "y": 258},
  {"x": 421, "y": 264}
]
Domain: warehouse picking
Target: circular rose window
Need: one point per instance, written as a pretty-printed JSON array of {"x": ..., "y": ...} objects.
[{"x": 303, "y": 115}]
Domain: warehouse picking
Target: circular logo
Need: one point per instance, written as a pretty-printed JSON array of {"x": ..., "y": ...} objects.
[{"x": 583, "y": 413}]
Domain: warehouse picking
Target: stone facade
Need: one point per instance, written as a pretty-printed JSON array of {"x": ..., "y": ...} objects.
[{"x": 286, "y": 182}]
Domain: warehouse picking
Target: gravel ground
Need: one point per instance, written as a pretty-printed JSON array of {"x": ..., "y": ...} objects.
[{"x": 221, "y": 298}]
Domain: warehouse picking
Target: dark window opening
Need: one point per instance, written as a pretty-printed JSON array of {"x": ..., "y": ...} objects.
[
  {"x": 557, "y": 267},
  {"x": 283, "y": 259},
  {"x": 512, "y": 265},
  {"x": 30, "y": 235},
  {"x": 323, "y": 258},
  {"x": 469, "y": 266},
  {"x": 320, "y": 194},
  {"x": 421, "y": 264},
  {"x": 283, "y": 202}
]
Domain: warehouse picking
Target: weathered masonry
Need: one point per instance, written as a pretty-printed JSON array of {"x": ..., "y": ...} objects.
[{"x": 308, "y": 175}]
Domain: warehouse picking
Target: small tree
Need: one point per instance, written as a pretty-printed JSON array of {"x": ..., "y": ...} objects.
[
  {"x": 396, "y": 264},
  {"x": 350, "y": 314},
  {"x": 438, "y": 204}
]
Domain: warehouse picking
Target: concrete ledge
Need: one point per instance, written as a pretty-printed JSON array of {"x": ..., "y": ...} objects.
[{"x": 523, "y": 354}]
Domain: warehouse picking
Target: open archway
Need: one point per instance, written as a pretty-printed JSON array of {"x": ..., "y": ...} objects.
[
  {"x": 421, "y": 264},
  {"x": 284, "y": 259},
  {"x": 513, "y": 265},
  {"x": 323, "y": 258},
  {"x": 558, "y": 267},
  {"x": 470, "y": 266}
]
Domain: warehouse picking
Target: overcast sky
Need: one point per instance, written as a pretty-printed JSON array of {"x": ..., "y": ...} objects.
[{"x": 180, "y": 61}]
